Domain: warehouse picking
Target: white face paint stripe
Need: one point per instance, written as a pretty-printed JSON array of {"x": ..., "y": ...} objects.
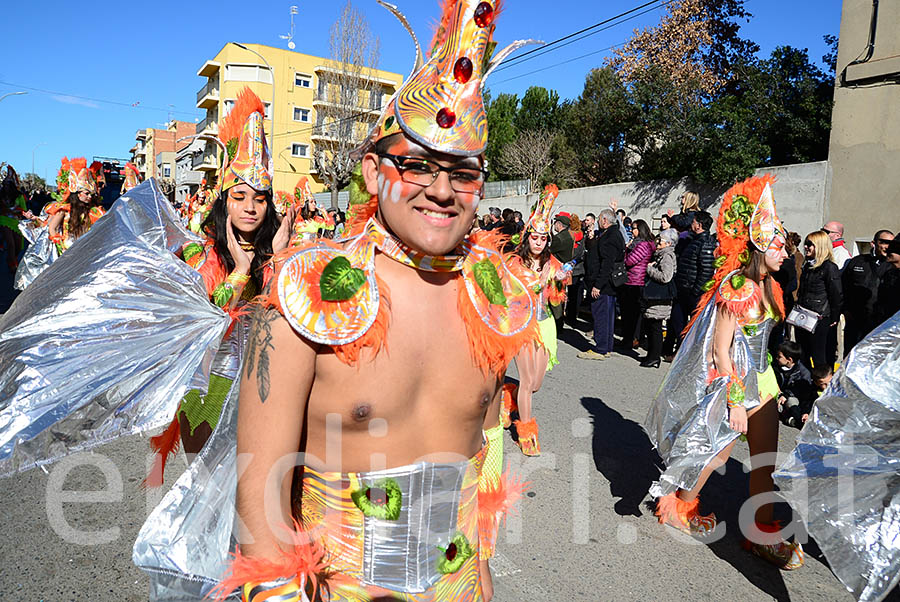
[{"x": 396, "y": 189}]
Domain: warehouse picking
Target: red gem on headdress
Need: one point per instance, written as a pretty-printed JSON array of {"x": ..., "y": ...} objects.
[
  {"x": 445, "y": 118},
  {"x": 462, "y": 70},
  {"x": 484, "y": 14}
]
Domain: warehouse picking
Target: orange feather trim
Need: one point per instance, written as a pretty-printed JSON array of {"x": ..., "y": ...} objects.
[
  {"x": 358, "y": 215},
  {"x": 163, "y": 445},
  {"x": 231, "y": 127},
  {"x": 672, "y": 509},
  {"x": 508, "y": 396},
  {"x": 494, "y": 504},
  {"x": 526, "y": 429},
  {"x": 305, "y": 559}
]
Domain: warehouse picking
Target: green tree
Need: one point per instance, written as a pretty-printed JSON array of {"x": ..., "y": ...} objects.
[
  {"x": 601, "y": 125},
  {"x": 538, "y": 111},
  {"x": 33, "y": 182},
  {"x": 501, "y": 116}
]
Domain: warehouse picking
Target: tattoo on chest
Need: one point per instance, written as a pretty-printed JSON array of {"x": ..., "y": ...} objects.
[{"x": 258, "y": 348}]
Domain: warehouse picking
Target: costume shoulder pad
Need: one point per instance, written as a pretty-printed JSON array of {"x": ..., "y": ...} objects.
[
  {"x": 55, "y": 207},
  {"x": 328, "y": 293},
  {"x": 738, "y": 293},
  {"x": 498, "y": 295}
]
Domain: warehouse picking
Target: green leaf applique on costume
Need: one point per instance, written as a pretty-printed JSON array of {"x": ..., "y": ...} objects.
[
  {"x": 738, "y": 281},
  {"x": 222, "y": 294},
  {"x": 191, "y": 250},
  {"x": 382, "y": 500},
  {"x": 454, "y": 555},
  {"x": 340, "y": 281},
  {"x": 488, "y": 281},
  {"x": 735, "y": 394}
]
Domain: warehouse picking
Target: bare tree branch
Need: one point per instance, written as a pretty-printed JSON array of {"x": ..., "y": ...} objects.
[
  {"x": 349, "y": 98},
  {"x": 528, "y": 156}
]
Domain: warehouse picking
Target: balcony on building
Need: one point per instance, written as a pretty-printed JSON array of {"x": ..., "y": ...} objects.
[
  {"x": 209, "y": 69},
  {"x": 209, "y": 126},
  {"x": 208, "y": 95},
  {"x": 377, "y": 94},
  {"x": 207, "y": 160}
]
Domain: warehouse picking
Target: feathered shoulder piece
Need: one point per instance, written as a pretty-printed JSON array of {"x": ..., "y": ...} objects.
[
  {"x": 738, "y": 293},
  {"x": 329, "y": 294},
  {"x": 232, "y": 125}
]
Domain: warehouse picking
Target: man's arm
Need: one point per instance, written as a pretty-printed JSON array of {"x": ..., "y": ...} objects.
[{"x": 278, "y": 374}]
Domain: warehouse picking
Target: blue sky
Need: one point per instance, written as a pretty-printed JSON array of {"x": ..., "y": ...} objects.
[{"x": 117, "y": 54}]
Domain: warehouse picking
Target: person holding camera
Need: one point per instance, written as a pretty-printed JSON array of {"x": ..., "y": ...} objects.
[
  {"x": 658, "y": 294},
  {"x": 820, "y": 295}
]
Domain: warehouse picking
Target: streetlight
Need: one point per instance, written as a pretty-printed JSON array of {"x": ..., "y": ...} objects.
[
  {"x": 12, "y": 94},
  {"x": 272, "y": 71},
  {"x": 32, "y": 152}
]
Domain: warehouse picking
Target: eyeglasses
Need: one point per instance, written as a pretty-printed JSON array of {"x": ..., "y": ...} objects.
[
  {"x": 828, "y": 231},
  {"x": 809, "y": 245},
  {"x": 423, "y": 172}
]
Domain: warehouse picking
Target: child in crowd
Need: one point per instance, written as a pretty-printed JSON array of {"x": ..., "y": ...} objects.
[{"x": 795, "y": 382}]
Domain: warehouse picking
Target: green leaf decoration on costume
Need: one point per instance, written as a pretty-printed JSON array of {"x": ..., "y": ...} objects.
[
  {"x": 357, "y": 187},
  {"x": 744, "y": 257},
  {"x": 708, "y": 285},
  {"x": 222, "y": 294},
  {"x": 720, "y": 261},
  {"x": 516, "y": 239},
  {"x": 340, "y": 281},
  {"x": 750, "y": 329},
  {"x": 191, "y": 250},
  {"x": 735, "y": 394},
  {"x": 454, "y": 555},
  {"x": 488, "y": 281},
  {"x": 382, "y": 500},
  {"x": 738, "y": 281},
  {"x": 231, "y": 147}
]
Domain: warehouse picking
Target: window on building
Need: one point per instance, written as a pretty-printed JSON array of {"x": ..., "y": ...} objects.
[
  {"x": 299, "y": 150},
  {"x": 248, "y": 73},
  {"x": 302, "y": 80},
  {"x": 167, "y": 171},
  {"x": 375, "y": 99},
  {"x": 268, "y": 107},
  {"x": 227, "y": 106},
  {"x": 301, "y": 114}
]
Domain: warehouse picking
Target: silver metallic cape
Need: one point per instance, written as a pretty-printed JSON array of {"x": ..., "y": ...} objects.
[
  {"x": 688, "y": 421},
  {"x": 185, "y": 543},
  {"x": 41, "y": 252},
  {"x": 843, "y": 477},
  {"x": 107, "y": 340}
]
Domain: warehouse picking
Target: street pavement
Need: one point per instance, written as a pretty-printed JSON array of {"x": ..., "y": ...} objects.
[{"x": 584, "y": 532}]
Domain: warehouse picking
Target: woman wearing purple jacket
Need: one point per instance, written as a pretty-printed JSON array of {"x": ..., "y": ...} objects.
[{"x": 637, "y": 256}]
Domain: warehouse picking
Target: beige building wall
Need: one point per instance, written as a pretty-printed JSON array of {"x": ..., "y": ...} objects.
[
  {"x": 864, "y": 153},
  {"x": 296, "y": 97}
]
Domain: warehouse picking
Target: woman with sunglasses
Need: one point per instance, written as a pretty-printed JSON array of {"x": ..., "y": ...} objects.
[
  {"x": 547, "y": 277},
  {"x": 820, "y": 291}
]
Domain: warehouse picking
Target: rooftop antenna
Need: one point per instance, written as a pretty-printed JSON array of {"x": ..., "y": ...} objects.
[{"x": 290, "y": 37}]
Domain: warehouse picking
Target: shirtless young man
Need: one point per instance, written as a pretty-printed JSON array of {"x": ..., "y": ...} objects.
[{"x": 380, "y": 359}]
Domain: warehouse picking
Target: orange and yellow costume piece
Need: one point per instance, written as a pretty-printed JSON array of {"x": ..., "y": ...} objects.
[{"x": 74, "y": 176}]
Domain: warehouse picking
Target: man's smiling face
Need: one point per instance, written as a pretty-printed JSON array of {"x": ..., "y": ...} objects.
[{"x": 431, "y": 218}]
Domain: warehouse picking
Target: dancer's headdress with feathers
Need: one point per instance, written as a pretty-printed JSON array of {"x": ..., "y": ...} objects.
[{"x": 246, "y": 154}]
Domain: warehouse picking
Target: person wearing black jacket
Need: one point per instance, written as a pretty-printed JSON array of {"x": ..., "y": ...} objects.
[
  {"x": 820, "y": 292},
  {"x": 600, "y": 260},
  {"x": 889, "y": 288},
  {"x": 695, "y": 268},
  {"x": 562, "y": 246},
  {"x": 859, "y": 280}
]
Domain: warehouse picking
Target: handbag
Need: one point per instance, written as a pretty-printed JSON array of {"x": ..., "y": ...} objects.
[
  {"x": 800, "y": 317},
  {"x": 658, "y": 292},
  {"x": 619, "y": 274}
]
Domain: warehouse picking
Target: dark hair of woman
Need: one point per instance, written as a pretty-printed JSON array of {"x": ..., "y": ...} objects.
[
  {"x": 643, "y": 229},
  {"x": 214, "y": 227},
  {"x": 79, "y": 218},
  {"x": 508, "y": 216},
  {"x": 306, "y": 214},
  {"x": 756, "y": 270},
  {"x": 524, "y": 251}
]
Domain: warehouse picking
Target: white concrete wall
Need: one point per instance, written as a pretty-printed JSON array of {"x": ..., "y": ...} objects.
[{"x": 799, "y": 196}]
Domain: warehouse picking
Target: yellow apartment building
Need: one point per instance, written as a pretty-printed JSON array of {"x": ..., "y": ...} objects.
[{"x": 300, "y": 97}]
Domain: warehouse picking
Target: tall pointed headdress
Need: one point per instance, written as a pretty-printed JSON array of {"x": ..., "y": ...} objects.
[
  {"x": 244, "y": 142},
  {"x": 132, "y": 176},
  {"x": 441, "y": 105},
  {"x": 74, "y": 176},
  {"x": 541, "y": 217}
]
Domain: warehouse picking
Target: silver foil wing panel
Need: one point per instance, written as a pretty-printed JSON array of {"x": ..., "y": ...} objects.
[
  {"x": 105, "y": 341},
  {"x": 843, "y": 477}
]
